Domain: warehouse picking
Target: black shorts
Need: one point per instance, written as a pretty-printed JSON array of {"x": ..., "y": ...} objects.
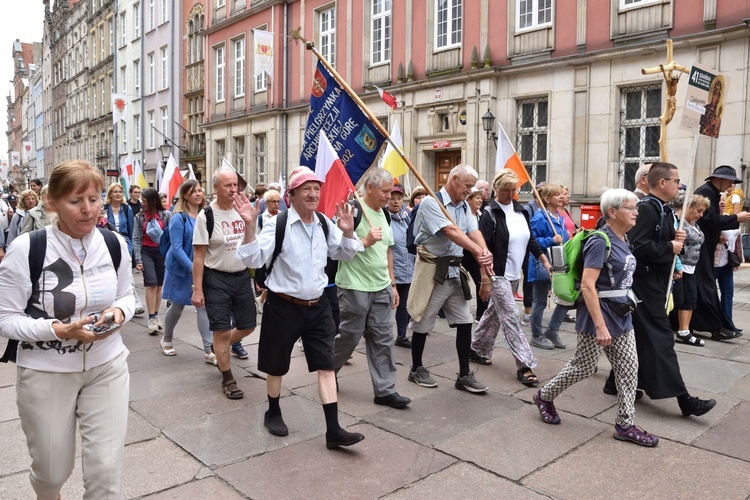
[
  {"x": 153, "y": 266},
  {"x": 229, "y": 295},
  {"x": 283, "y": 323},
  {"x": 686, "y": 293}
]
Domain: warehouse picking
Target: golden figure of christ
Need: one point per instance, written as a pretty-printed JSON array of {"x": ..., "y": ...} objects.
[{"x": 672, "y": 72}]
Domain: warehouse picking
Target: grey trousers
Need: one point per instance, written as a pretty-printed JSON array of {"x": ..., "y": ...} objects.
[{"x": 368, "y": 314}]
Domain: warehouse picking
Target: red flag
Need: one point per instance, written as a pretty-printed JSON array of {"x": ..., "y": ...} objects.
[
  {"x": 336, "y": 182},
  {"x": 389, "y": 99}
]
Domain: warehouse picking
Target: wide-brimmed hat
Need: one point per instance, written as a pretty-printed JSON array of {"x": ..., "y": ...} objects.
[
  {"x": 300, "y": 175},
  {"x": 725, "y": 172}
]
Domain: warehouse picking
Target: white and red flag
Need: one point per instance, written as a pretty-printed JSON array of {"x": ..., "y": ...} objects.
[
  {"x": 507, "y": 157},
  {"x": 172, "y": 179},
  {"x": 336, "y": 182},
  {"x": 389, "y": 99}
]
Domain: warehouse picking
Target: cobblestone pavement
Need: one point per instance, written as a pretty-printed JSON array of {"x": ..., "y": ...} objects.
[{"x": 187, "y": 441}]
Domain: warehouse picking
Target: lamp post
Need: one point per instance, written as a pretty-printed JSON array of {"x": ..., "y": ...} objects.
[
  {"x": 26, "y": 175},
  {"x": 488, "y": 124},
  {"x": 165, "y": 150}
]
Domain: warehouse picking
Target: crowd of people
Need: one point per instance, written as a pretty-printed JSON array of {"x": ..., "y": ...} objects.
[{"x": 387, "y": 258}]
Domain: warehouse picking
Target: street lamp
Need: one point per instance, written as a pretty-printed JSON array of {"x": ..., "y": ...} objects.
[
  {"x": 488, "y": 124},
  {"x": 165, "y": 150},
  {"x": 27, "y": 175}
]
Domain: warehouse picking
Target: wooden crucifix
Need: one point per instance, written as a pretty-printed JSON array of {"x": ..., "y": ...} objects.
[{"x": 672, "y": 72}]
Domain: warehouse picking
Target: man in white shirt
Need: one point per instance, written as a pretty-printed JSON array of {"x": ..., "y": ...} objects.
[{"x": 296, "y": 305}]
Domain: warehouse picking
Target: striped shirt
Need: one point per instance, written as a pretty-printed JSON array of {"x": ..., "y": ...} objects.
[{"x": 430, "y": 220}]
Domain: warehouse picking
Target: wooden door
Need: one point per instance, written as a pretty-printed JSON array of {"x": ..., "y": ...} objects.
[{"x": 444, "y": 163}]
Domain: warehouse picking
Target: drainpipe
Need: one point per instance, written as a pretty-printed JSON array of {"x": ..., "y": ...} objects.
[{"x": 284, "y": 91}]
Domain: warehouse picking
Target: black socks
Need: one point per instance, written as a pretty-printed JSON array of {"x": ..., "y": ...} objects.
[
  {"x": 417, "y": 348},
  {"x": 331, "y": 411},
  {"x": 463, "y": 348},
  {"x": 226, "y": 376},
  {"x": 273, "y": 406}
]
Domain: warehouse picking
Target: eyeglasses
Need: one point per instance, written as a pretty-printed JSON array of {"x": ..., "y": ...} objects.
[
  {"x": 273, "y": 201},
  {"x": 630, "y": 209}
]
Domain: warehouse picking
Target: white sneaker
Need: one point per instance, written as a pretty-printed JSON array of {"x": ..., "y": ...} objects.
[
  {"x": 139, "y": 311},
  {"x": 158, "y": 323},
  {"x": 153, "y": 326},
  {"x": 526, "y": 321},
  {"x": 300, "y": 346}
]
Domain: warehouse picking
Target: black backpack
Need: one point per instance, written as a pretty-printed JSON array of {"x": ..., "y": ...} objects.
[
  {"x": 38, "y": 250},
  {"x": 411, "y": 246}
]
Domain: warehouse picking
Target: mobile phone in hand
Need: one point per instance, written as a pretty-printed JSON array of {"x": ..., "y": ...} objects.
[{"x": 106, "y": 327}]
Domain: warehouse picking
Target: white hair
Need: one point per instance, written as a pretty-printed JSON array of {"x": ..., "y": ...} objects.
[{"x": 464, "y": 169}]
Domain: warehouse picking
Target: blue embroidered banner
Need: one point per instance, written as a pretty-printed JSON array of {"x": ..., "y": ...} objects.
[{"x": 354, "y": 138}]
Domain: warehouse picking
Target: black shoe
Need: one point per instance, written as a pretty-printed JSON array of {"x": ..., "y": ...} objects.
[
  {"x": 696, "y": 406},
  {"x": 394, "y": 400},
  {"x": 342, "y": 438},
  {"x": 612, "y": 391},
  {"x": 476, "y": 358},
  {"x": 441, "y": 314},
  {"x": 275, "y": 425},
  {"x": 403, "y": 342},
  {"x": 725, "y": 334}
]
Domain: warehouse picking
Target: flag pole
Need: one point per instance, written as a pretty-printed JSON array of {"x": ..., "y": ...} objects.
[{"x": 295, "y": 34}]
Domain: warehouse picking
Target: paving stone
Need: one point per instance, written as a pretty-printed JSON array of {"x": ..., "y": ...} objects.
[
  {"x": 740, "y": 389},
  {"x": 136, "y": 337},
  {"x": 730, "y": 435},
  {"x": 155, "y": 466},
  {"x": 663, "y": 418},
  {"x": 439, "y": 348},
  {"x": 149, "y": 358},
  {"x": 612, "y": 470},
  {"x": 17, "y": 486},
  {"x": 8, "y": 408},
  {"x": 169, "y": 379},
  {"x": 310, "y": 471},
  {"x": 520, "y": 428},
  {"x": 205, "y": 488},
  {"x": 7, "y": 370},
  {"x": 710, "y": 374},
  {"x": 197, "y": 402},
  {"x": 139, "y": 430},
  {"x": 740, "y": 353},
  {"x": 458, "y": 412},
  {"x": 238, "y": 434},
  {"x": 458, "y": 479},
  {"x": 14, "y": 455}
]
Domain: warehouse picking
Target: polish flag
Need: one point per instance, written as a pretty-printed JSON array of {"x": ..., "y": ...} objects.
[
  {"x": 389, "y": 99},
  {"x": 330, "y": 170},
  {"x": 172, "y": 179},
  {"x": 508, "y": 158}
]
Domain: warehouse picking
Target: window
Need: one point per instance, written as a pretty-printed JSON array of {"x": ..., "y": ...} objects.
[
  {"x": 220, "y": 3},
  {"x": 103, "y": 95},
  {"x": 165, "y": 10},
  {"x": 531, "y": 142},
  {"x": 123, "y": 30},
  {"x": 239, "y": 67},
  {"x": 93, "y": 92},
  {"x": 123, "y": 79},
  {"x": 625, "y": 4},
  {"x": 136, "y": 21},
  {"x": 260, "y": 157},
  {"x": 220, "y": 151},
  {"x": 164, "y": 68},
  {"x": 328, "y": 35},
  {"x": 260, "y": 82},
  {"x": 151, "y": 14},
  {"x": 111, "y": 37},
  {"x": 238, "y": 5},
  {"x": 93, "y": 51},
  {"x": 381, "y": 31},
  {"x": 164, "y": 121},
  {"x": 639, "y": 130},
  {"x": 151, "y": 129},
  {"x": 239, "y": 155},
  {"x": 219, "y": 53},
  {"x": 137, "y": 132},
  {"x": 101, "y": 46},
  {"x": 151, "y": 73},
  {"x": 534, "y": 13},
  {"x": 137, "y": 75},
  {"x": 449, "y": 15}
]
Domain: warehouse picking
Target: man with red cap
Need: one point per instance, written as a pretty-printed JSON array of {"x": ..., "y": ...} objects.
[{"x": 296, "y": 306}]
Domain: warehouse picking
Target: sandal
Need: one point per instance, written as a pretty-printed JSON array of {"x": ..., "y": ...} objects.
[
  {"x": 476, "y": 358},
  {"x": 635, "y": 435},
  {"x": 527, "y": 377},
  {"x": 231, "y": 391},
  {"x": 210, "y": 358},
  {"x": 725, "y": 334},
  {"x": 546, "y": 409},
  {"x": 691, "y": 339},
  {"x": 166, "y": 348}
]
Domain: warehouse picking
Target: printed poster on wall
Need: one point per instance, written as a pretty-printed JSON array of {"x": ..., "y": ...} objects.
[{"x": 704, "y": 103}]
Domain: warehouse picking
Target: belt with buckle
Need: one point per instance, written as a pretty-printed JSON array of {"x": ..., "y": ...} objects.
[{"x": 305, "y": 303}]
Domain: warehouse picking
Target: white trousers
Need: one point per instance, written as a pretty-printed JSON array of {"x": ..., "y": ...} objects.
[{"x": 49, "y": 405}]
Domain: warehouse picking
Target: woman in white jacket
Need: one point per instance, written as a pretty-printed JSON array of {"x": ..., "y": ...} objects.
[{"x": 67, "y": 373}]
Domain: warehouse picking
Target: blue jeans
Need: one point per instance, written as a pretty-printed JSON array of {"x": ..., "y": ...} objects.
[
  {"x": 541, "y": 291},
  {"x": 725, "y": 277}
]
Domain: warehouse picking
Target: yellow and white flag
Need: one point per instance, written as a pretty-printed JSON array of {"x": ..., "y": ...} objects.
[
  {"x": 138, "y": 178},
  {"x": 392, "y": 161}
]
